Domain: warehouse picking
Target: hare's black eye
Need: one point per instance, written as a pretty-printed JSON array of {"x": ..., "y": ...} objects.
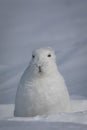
[
  {"x": 33, "y": 56},
  {"x": 49, "y": 55}
]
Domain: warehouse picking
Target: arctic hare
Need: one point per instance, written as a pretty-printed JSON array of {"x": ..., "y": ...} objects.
[{"x": 42, "y": 89}]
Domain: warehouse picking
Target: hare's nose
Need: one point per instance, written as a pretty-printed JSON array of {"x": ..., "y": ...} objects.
[{"x": 39, "y": 68}]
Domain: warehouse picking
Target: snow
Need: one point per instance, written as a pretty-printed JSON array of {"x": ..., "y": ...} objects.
[
  {"x": 40, "y": 126},
  {"x": 75, "y": 120},
  {"x": 27, "y": 24}
]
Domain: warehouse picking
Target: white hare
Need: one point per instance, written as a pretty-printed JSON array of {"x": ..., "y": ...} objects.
[{"x": 42, "y": 89}]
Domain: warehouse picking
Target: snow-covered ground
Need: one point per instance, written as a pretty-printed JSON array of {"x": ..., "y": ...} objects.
[
  {"x": 27, "y": 24},
  {"x": 64, "y": 121}
]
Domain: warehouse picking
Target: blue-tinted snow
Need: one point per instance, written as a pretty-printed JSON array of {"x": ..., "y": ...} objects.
[{"x": 28, "y": 24}]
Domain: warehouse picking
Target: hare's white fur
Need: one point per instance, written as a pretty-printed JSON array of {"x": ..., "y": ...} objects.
[{"x": 42, "y": 92}]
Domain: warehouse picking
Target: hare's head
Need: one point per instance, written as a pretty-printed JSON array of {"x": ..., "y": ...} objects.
[{"x": 43, "y": 61}]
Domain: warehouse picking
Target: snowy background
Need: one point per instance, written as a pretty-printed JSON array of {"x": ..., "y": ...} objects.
[{"x": 28, "y": 24}]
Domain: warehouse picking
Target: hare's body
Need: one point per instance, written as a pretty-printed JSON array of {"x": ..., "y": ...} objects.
[{"x": 42, "y": 89}]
